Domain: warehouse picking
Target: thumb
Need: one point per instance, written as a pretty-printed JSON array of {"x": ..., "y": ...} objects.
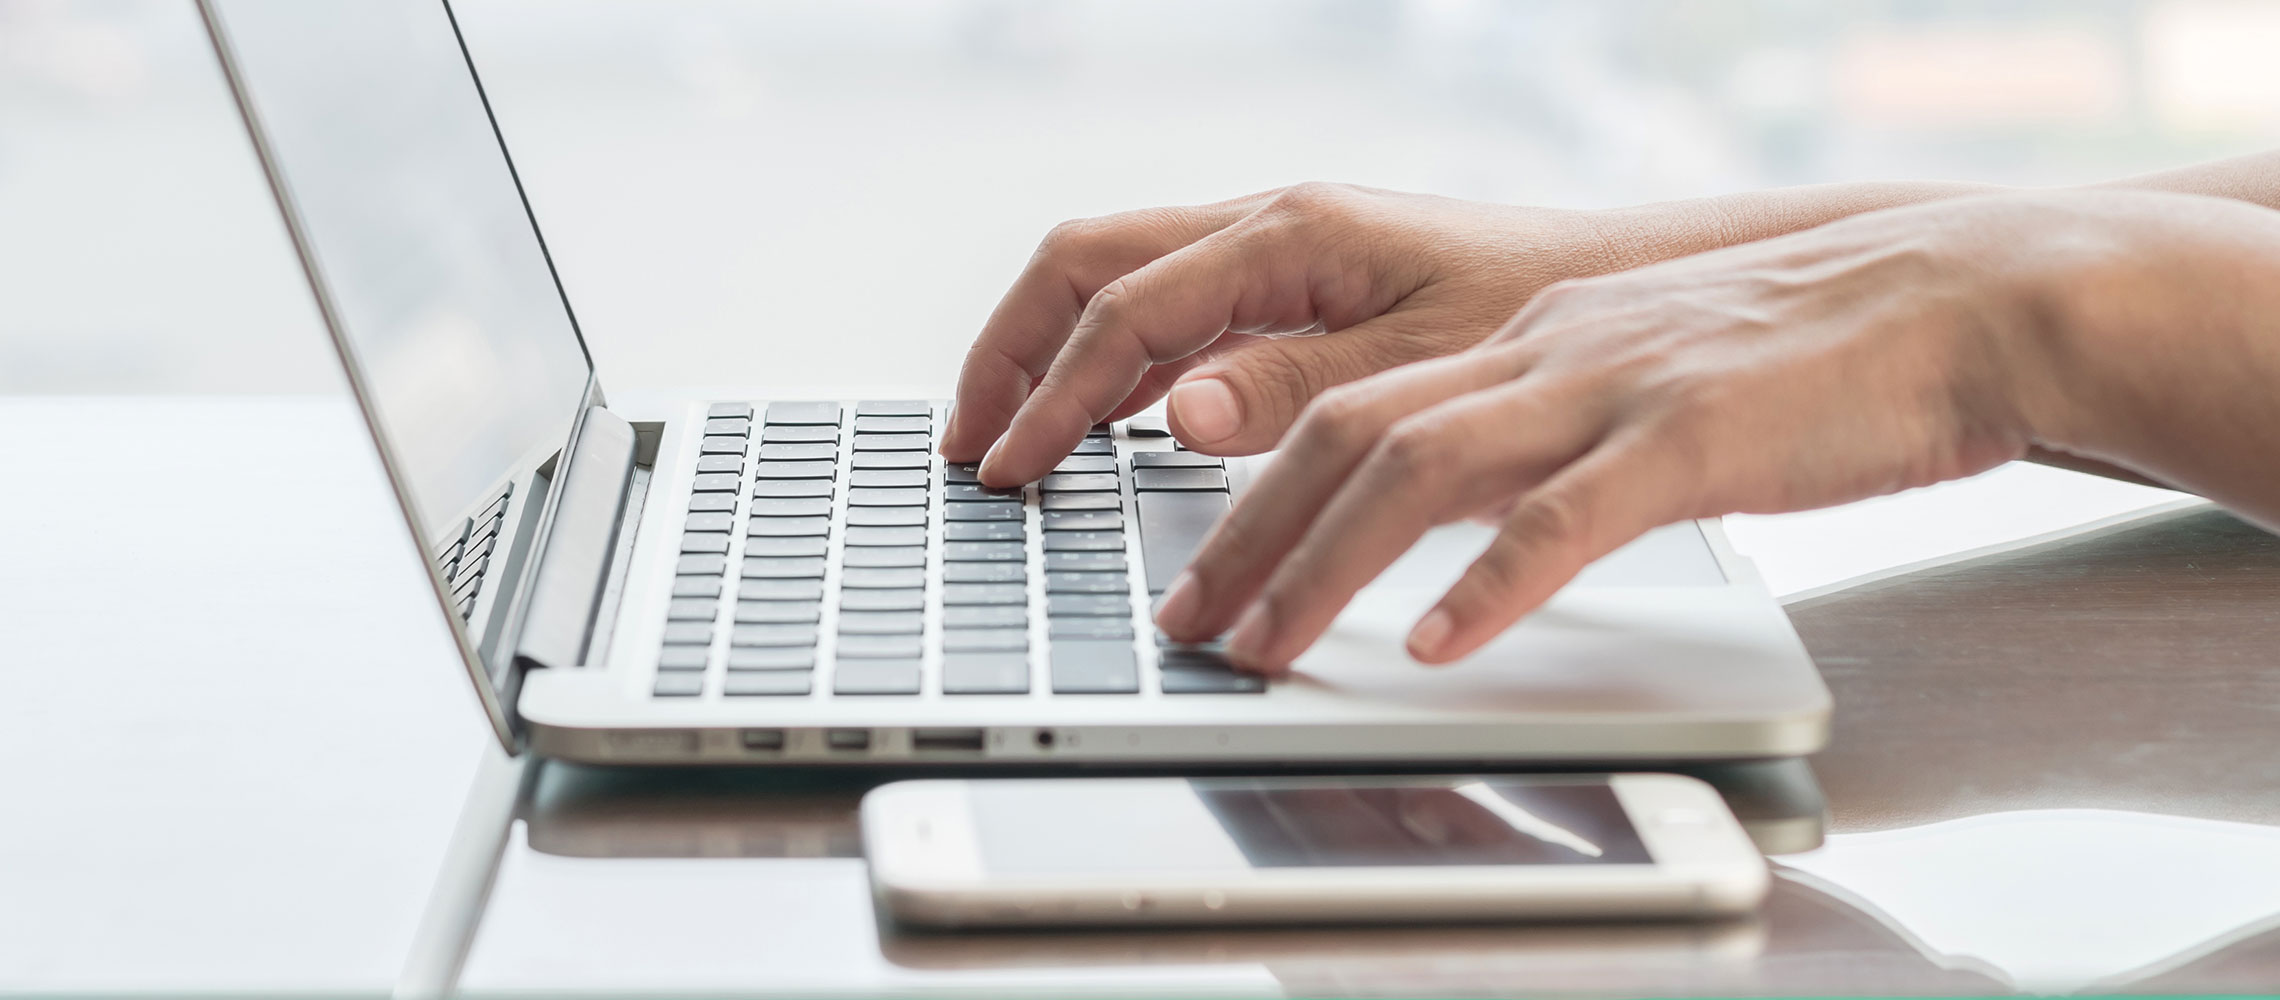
[{"x": 1242, "y": 400}]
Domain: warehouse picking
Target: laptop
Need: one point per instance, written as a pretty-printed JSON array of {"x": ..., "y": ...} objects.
[{"x": 767, "y": 581}]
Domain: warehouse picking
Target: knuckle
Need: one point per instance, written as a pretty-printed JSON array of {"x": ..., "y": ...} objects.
[
  {"x": 1414, "y": 448},
  {"x": 1311, "y": 199},
  {"x": 1112, "y": 302},
  {"x": 1334, "y": 420},
  {"x": 1500, "y": 571},
  {"x": 1551, "y": 517}
]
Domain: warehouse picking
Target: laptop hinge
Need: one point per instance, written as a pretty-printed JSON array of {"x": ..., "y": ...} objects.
[{"x": 558, "y": 623}]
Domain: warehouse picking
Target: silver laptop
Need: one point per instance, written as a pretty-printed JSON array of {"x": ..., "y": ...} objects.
[{"x": 765, "y": 581}]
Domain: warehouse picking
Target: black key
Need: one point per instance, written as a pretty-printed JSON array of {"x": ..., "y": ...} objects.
[
  {"x": 743, "y": 410},
  {"x": 888, "y": 557},
  {"x": 1088, "y": 605},
  {"x": 984, "y": 531},
  {"x": 712, "y": 502},
  {"x": 1205, "y": 673},
  {"x": 1082, "y": 501},
  {"x": 720, "y": 463},
  {"x": 778, "y": 612},
  {"x": 1086, "y": 583},
  {"x": 961, "y": 473},
  {"x": 1082, "y": 520},
  {"x": 701, "y": 565},
  {"x": 866, "y": 535},
  {"x": 984, "y": 572},
  {"x": 981, "y": 512},
  {"x": 810, "y": 546},
  {"x": 799, "y": 452},
  {"x": 984, "y": 593},
  {"x": 772, "y": 568},
  {"x": 804, "y": 413},
  {"x": 983, "y": 552},
  {"x": 1089, "y": 628},
  {"x": 1099, "y": 431},
  {"x": 1081, "y": 667},
  {"x": 1173, "y": 460},
  {"x": 973, "y": 492},
  {"x": 886, "y": 517},
  {"x": 887, "y": 477},
  {"x": 771, "y": 658},
  {"x": 721, "y": 445},
  {"x": 772, "y": 635},
  {"x": 1078, "y": 482},
  {"x": 875, "y": 677},
  {"x": 913, "y": 599},
  {"x": 1179, "y": 479},
  {"x": 1147, "y": 427},
  {"x": 709, "y": 521},
  {"x": 886, "y": 498},
  {"x": 679, "y": 684},
  {"x": 781, "y": 434},
  {"x": 985, "y": 673},
  {"x": 893, "y": 408},
  {"x": 1088, "y": 562},
  {"x": 716, "y": 482},
  {"x": 985, "y": 640},
  {"x": 894, "y": 442},
  {"x": 796, "y": 470},
  {"x": 704, "y": 541},
  {"x": 920, "y": 424},
  {"x": 731, "y": 426},
  {"x": 985, "y": 616},
  {"x": 692, "y": 609},
  {"x": 792, "y": 507},
  {"x": 872, "y": 646},
  {"x": 882, "y": 579},
  {"x": 787, "y": 527},
  {"x": 1094, "y": 446},
  {"x": 682, "y": 657},
  {"x": 892, "y": 460},
  {"x": 1087, "y": 463},
  {"x": 881, "y": 623},
  {"x": 1084, "y": 541},
  {"x": 780, "y": 683},
  {"x": 1172, "y": 525},
  {"x": 696, "y": 586},
  {"x": 688, "y": 633},
  {"x": 780, "y": 590},
  {"x": 772, "y": 488}
]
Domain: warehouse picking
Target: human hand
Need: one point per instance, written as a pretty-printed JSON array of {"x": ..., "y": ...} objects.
[
  {"x": 1860, "y": 358},
  {"x": 1211, "y": 304}
]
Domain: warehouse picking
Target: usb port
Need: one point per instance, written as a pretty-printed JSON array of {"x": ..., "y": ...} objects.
[
  {"x": 847, "y": 739},
  {"x": 952, "y": 740},
  {"x": 763, "y": 739}
]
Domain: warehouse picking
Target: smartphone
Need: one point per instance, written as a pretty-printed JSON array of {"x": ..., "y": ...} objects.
[{"x": 1079, "y": 851}]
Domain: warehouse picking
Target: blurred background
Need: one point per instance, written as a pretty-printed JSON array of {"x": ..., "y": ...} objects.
[{"x": 734, "y": 190}]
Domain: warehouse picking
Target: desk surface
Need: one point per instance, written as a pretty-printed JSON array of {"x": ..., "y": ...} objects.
[{"x": 245, "y": 746}]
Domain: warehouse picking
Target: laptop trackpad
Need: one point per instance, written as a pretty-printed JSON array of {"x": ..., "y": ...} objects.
[{"x": 1674, "y": 555}]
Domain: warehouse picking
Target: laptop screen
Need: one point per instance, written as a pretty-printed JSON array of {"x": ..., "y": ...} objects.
[{"x": 446, "y": 305}]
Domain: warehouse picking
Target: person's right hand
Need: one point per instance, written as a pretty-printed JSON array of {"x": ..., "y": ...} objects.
[{"x": 1215, "y": 304}]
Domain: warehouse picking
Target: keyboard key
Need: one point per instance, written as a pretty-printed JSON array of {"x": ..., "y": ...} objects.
[
  {"x": 875, "y": 677},
  {"x": 1087, "y": 562},
  {"x": 1086, "y": 583},
  {"x": 886, "y": 517},
  {"x": 981, "y": 512},
  {"x": 866, "y": 535},
  {"x": 778, "y": 612},
  {"x": 1172, "y": 525},
  {"x": 780, "y": 683},
  {"x": 688, "y": 633},
  {"x": 888, "y": 477},
  {"x": 772, "y": 635},
  {"x": 1205, "y": 673},
  {"x": 1174, "y": 460},
  {"x": 1147, "y": 427},
  {"x": 893, "y": 425},
  {"x": 811, "y": 546},
  {"x": 773, "y": 568},
  {"x": 1094, "y": 668},
  {"x": 984, "y": 531},
  {"x": 1087, "y": 463},
  {"x": 780, "y": 590},
  {"x": 771, "y": 658},
  {"x": 701, "y": 565},
  {"x": 709, "y": 521},
  {"x": 1089, "y": 628},
  {"x": 716, "y": 482},
  {"x": 985, "y": 673},
  {"x": 983, "y": 552},
  {"x": 1081, "y": 520},
  {"x": 886, "y": 498},
  {"x": 1084, "y": 541},
  {"x": 877, "y": 646},
  {"x": 984, "y": 572},
  {"x": 894, "y": 442},
  {"x": 882, "y": 579},
  {"x": 1094, "y": 446},
  {"x": 892, "y": 460},
  {"x": 721, "y": 445},
  {"x": 799, "y": 452},
  {"x": 912, "y": 599},
  {"x": 984, "y": 593},
  {"x": 797, "y": 470},
  {"x": 787, "y": 527},
  {"x": 881, "y": 623},
  {"x": 731, "y": 426},
  {"x": 963, "y": 616},
  {"x": 781, "y": 434},
  {"x": 704, "y": 541},
  {"x": 961, "y": 473},
  {"x": 1179, "y": 479},
  {"x": 679, "y": 684},
  {"x": 692, "y": 609},
  {"x": 730, "y": 410},
  {"x": 985, "y": 640},
  {"x": 697, "y": 586},
  {"x": 1083, "y": 501},
  {"x": 804, "y": 413},
  {"x": 1099, "y": 431},
  {"x": 1088, "y": 605},
  {"x": 683, "y": 657},
  {"x": 893, "y": 557},
  {"x": 1079, "y": 482},
  {"x": 777, "y": 488},
  {"x": 893, "y": 408},
  {"x": 792, "y": 507},
  {"x": 972, "y": 492},
  {"x": 720, "y": 463},
  {"x": 712, "y": 502}
]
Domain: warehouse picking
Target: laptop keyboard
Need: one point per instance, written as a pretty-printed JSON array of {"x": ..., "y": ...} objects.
[
  {"x": 827, "y": 551},
  {"x": 462, "y": 560}
]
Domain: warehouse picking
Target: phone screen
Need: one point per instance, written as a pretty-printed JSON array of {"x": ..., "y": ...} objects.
[{"x": 1206, "y": 824}]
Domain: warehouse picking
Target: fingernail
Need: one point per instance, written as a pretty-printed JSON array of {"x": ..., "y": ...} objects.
[
  {"x": 989, "y": 459},
  {"x": 1252, "y": 633},
  {"x": 1179, "y": 603},
  {"x": 1207, "y": 410},
  {"x": 1426, "y": 639}
]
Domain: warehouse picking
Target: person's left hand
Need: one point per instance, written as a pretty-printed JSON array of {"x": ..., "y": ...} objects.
[{"x": 1864, "y": 357}]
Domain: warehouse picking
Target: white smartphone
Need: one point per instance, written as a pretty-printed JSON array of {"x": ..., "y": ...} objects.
[{"x": 1216, "y": 850}]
